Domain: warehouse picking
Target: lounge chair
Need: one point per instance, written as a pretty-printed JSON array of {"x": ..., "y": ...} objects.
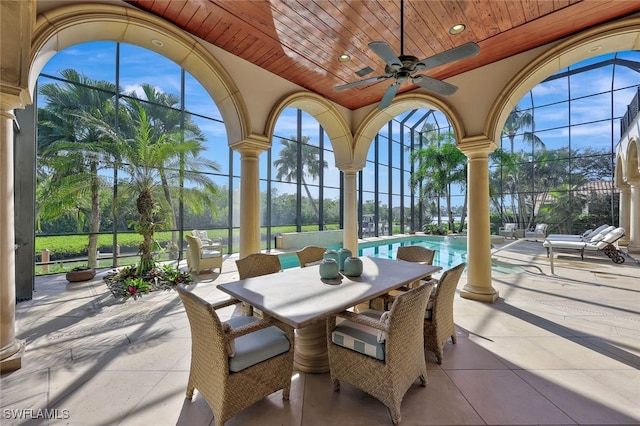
[
  {"x": 587, "y": 236},
  {"x": 605, "y": 244}
]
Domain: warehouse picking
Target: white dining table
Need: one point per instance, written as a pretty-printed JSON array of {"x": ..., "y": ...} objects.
[{"x": 301, "y": 298}]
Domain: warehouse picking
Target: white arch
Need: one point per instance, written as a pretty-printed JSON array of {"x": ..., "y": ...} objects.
[
  {"x": 374, "y": 121},
  {"x": 326, "y": 114},
  {"x": 78, "y": 23},
  {"x": 608, "y": 38}
]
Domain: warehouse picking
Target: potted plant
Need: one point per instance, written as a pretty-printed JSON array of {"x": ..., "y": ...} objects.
[{"x": 80, "y": 273}]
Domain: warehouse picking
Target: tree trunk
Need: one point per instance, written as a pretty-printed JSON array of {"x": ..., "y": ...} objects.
[{"x": 144, "y": 203}]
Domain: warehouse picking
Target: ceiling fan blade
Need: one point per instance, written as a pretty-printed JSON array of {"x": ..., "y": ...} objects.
[
  {"x": 464, "y": 51},
  {"x": 361, "y": 82},
  {"x": 389, "y": 95},
  {"x": 383, "y": 50},
  {"x": 434, "y": 85}
]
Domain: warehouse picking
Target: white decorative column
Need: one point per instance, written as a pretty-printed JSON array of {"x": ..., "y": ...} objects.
[
  {"x": 478, "y": 285},
  {"x": 350, "y": 231},
  {"x": 17, "y": 19},
  {"x": 250, "y": 150},
  {"x": 634, "y": 222},
  {"x": 624, "y": 214}
]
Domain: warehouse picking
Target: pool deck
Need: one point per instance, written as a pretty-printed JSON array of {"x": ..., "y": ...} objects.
[{"x": 559, "y": 349}]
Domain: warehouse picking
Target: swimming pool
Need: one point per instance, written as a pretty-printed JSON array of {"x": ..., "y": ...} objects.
[{"x": 449, "y": 251}]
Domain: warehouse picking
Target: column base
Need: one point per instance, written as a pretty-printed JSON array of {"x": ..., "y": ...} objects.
[
  {"x": 481, "y": 294},
  {"x": 12, "y": 362},
  {"x": 633, "y": 248}
]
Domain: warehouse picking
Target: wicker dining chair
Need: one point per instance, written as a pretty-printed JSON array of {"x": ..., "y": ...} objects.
[
  {"x": 310, "y": 254},
  {"x": 262, "y": 362},
  {"x": 417, "y": 254},
  {"x": 393, "y": 365},
  {"x": 255, "y": 265},
  {"x": 438, "y": 323}
]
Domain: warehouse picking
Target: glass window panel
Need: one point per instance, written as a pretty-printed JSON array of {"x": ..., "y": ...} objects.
[
  {"x": 554, "y": 139},
  {"x": 622, "y": 99},
  {"x": 551, "y": 91},
  {"x": 331, "y": 174},
  {"x": 140, "y": 66},
  {"x": 331, "y": 208},
  {"x": 596, "y": 135},
  {"x": 551, "y": 116},
  {"x": 625, "y": 74},
  {"x": 591, "y": 82},
  {"x": 369, "y": 177},
  {"x": 98, "y": 61},
  {"x": 198, "y": 101},
  {"x": 283, "y": 204},
  {"x": 591, "y": 108},
  {"x": 310, "y": 213},
  {"x": 383, "y": 179}
]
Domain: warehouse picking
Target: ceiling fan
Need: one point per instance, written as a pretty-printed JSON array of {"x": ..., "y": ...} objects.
[{"x": 405, "y": 67}]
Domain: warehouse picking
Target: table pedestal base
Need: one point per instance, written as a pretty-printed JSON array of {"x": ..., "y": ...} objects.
[{"x": 311, "y": 354}]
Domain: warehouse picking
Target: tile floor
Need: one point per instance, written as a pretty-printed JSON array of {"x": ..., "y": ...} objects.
[{"x": 553, "y": 350}]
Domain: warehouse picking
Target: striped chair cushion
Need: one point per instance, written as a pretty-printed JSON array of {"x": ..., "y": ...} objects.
[{"x": 359, "y": 337}]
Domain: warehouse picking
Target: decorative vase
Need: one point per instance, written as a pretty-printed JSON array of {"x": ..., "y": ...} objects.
[
  {"x": 343, "y": 254},
  {"x": 329, "y": 269},
  {"x": 331, "y": 254},
  {"x": 353, "y": 267}
]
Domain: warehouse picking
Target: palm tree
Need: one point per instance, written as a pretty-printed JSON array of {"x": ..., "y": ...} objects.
[
  {"x": 441, "y": 166},
  {"x": 163, "y": 112},
  {"x": 287, "y": 164},
  {"x": 144, "y": 158},
  {"x": 73, "y": 150},
  {"x": 517, "y": 120}
]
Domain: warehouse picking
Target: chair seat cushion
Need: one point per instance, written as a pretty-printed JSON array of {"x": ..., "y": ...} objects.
[
  {"x": 565, "y": 244},
  {"x": 359, "y": 337},
  {"x": 210, "y": 253},
  {"x": 256, "y": 347}
]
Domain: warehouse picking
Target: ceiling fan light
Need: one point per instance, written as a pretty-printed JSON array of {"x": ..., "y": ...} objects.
[
  {"x": 344, "y": 58},
  {"x": 457, "y": 29}
]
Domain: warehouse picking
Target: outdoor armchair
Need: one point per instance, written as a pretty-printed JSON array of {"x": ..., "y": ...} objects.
[
  {"x": 202, "y": 258},
  {"x": 202, "y": 235},
  {"x": 381, "y": 353},
  {"x": 508, "y": 230},
  {"x": 235, "y": 363},
  {"x": 537, "y": 233}
]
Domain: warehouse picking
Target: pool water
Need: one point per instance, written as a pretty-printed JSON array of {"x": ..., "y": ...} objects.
[{"x": 449, "y": 253}]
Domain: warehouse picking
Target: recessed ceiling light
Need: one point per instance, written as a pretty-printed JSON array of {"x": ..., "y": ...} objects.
[
  {"x": 457, "y": 29},
  {"x": 594, "y": 49},
  {"x": 157, "y": 42},
  {"x": 344, "y": 58}
]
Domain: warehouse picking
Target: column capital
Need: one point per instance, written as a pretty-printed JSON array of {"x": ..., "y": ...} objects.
[
  {"x": 253, "y": 144},
  {"x": 13, "y": 97},
  {"x": 477, "y": 146},
  {"x": 349, "y": 169}
]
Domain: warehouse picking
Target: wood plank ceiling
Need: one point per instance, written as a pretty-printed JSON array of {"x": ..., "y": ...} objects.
[{"x": 300, "y": 40}]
